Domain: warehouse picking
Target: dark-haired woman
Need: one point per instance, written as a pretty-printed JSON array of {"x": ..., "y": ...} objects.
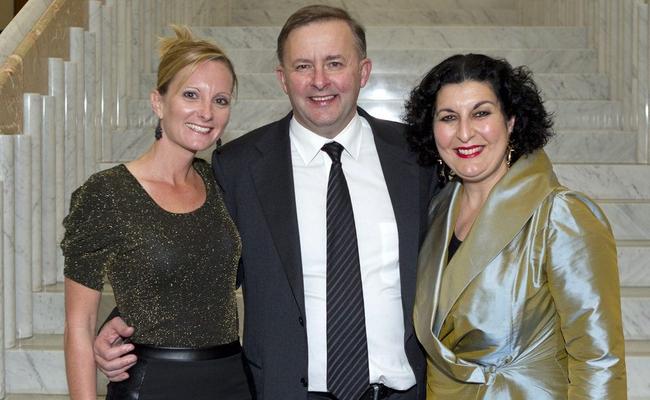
[{"x": 518, "y": 293}]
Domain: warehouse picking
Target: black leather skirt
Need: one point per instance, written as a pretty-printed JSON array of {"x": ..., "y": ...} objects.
[{"x": 216, "y": 373}]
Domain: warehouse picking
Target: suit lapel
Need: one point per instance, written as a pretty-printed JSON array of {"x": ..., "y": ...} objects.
[
  {"x": 508, "y": 207},
  {"x": 273, "y": 179}
]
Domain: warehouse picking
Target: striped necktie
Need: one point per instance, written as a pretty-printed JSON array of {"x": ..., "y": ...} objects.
[{"x": 347, "y": 347}]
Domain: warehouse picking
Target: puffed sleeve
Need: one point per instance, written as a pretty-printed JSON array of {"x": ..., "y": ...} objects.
[
  {"x": 583, "y": 277},
  {"x": 90, "y": 234}
]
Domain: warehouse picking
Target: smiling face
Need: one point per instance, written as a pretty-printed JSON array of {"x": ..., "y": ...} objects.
[
  {"x": 195, "y": 111},
  {"x": 322, "y": 73},
  {"x": 471, "y": 132}
]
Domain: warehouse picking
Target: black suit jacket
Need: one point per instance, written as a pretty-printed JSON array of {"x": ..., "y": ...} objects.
[{"x": 255, "y": 172}]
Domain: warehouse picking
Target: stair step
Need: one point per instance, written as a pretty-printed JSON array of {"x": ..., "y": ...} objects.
[
  {"x": 416, "y": 37},
  {"x": 367, "y": 4},
  {"x": 250, "y": 114},
  {"x": 568, "y": 146},
  {"x": 421, "y": 60},
  {"x": 49, "y": 314},
  {"x": 38, "y": 367},
  {"x": 49, "y": 309},
  {"x": 606, "y": 181},
  {"x": 276, "y": 16},
  {"x": 635, "y": 306},
  {"x": 568, "y": 114},
  {"x": 48, "y": 306},
  {"x": 595, "y": 146},
  {"x": 637, "y": 360},
  {"x": 629, "y": 221},
  {"x": 397, "y": 86},
  {"x": 633, "y": 263}
]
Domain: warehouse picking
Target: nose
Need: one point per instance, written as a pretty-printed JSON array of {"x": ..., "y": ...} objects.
[
  {"x": 465, "y": 132},
  {"x": 320, "y": 79},
  {"x": 205, "y": 110}
]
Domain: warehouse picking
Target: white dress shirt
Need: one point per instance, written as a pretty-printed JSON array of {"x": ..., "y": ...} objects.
[{"x": 378, "y": 250}]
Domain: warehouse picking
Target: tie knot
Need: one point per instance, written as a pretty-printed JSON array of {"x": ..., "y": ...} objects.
[{"x": 334, "y": 150}]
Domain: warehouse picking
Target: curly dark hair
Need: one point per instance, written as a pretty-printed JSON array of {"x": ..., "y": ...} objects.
[{"x": 515, "y": 89}]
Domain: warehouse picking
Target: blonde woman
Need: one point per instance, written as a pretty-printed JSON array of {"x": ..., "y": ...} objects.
[{"x": 158, "y": 228}]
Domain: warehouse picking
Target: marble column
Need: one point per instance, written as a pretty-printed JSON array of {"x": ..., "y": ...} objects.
[
  {"x": 72, "y": 109},
  {"x": 643, "y": 92},
  {"x": 137, "y": 50},
  {"x": 50, "y": 222},
  {"x": 77, "y": 56},
  {"x": 94, "y": 86},
  {"x": 107, "y": 82},
  {"x": 2, "y": 339},
  {"x": 124, "y": 61},
  {"x": 33, "y": 127},
  {"x": 90, "y": 127},
  {"x": 57, "y": 91},
  {"x": 23, "y": 234},
  {"x": 8, "y": 238},
  {"x": 148, "y": 36}
]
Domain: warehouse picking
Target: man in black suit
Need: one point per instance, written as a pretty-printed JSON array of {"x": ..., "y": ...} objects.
[{"x": 275, "y": 182}]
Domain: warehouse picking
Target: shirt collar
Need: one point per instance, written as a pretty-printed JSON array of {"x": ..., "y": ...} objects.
[{"x": 308, "y": 144}]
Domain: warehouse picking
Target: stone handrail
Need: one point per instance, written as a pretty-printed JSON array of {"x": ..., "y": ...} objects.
[{"x": 38, "y": 31}]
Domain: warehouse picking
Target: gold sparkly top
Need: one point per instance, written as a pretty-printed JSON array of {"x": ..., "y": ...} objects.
[{"x": 173, "y": 275}]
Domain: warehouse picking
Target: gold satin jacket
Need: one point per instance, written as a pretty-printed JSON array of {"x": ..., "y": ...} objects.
[{"x": 529, "y": 306}]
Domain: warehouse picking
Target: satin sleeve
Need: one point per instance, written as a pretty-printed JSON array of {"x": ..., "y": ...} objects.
[
  {"x": 89, "y": 243},
  {"x": 583, "y": 278}
]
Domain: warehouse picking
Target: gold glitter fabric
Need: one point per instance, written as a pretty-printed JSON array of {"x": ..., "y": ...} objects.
[{"x": 173, "y": 275}]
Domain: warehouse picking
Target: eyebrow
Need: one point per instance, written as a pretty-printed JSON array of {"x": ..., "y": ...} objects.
[
  {"x": 477, "y": 105},
  {"x": 309, "y": 60}
]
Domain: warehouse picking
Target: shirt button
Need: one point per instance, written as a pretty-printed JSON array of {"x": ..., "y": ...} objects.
[
  {"x": 303, "y": 381},
  {"x": 301, "y": 321}
]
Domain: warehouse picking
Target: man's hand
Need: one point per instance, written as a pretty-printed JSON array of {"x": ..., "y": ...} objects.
[{"x": 110, "y": 350}]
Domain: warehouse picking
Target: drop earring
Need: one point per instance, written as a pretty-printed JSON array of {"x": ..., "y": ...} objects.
[
  {"x": 158, "y": 132},
  {"x": 509, "y": 156},
  {"x": 444, "y": 172}
]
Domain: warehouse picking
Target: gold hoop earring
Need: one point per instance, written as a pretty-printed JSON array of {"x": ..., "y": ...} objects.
[
  {"x": 509, "y": 156},
  {"x": 444, "y": 172}
]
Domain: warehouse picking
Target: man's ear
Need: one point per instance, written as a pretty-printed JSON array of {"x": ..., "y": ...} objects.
[
  {"x": 282, "y": 79},
  {"x": 366, "y": 66}
]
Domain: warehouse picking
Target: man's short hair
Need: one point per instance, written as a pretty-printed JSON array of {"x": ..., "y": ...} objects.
[{"x": 320, "y": 13}]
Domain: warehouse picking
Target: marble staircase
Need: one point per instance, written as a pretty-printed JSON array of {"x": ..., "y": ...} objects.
[{"x": 594, "y": 151}]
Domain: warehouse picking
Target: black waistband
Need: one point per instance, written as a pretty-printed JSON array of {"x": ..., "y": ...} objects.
[
  {"x": 186, "y": 354},
  {"x": 376, "y": 391}
]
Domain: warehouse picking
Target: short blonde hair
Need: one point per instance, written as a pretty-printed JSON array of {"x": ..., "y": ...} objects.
[{"x": 185, "y": 50}]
